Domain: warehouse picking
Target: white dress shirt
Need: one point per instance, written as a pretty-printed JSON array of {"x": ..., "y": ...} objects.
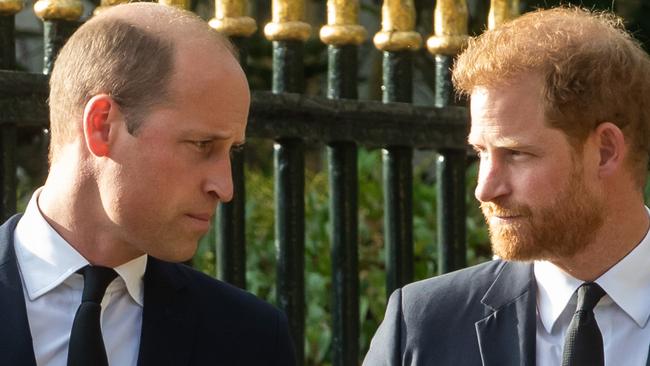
[
  {"x": 52, "y": 289},
  {"x": 622, "y": 314}
]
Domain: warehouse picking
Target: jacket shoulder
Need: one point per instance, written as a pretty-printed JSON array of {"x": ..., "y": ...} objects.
[
  {"x": 434, "y": 319},
  {"x": 443, "y": 298},
  {"x": 6, "y": 238},
  {"x": 248, "y": 330},
  {"x": 474, "y": 280},
  {"x": 212, "y": 290}
]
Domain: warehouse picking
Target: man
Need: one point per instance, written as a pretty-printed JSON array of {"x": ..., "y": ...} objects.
[
  {"x": 560, "y": 120},
  {"x": 146, "y": 103}
]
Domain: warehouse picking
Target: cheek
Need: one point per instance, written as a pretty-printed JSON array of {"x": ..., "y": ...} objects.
[
  {"x": 158, "y": 169},
  {"x": 540, "y": 187},
  {"x": 160, "y": 181},
  {"x": 169, "y": 184},
  {"x": 143, "y": 187}
]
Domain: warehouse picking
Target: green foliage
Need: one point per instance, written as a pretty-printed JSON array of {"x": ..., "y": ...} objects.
[{"x": 261, "y": 249}]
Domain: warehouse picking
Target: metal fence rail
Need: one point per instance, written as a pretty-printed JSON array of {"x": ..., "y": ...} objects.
[{"x": 289, "y": 118}]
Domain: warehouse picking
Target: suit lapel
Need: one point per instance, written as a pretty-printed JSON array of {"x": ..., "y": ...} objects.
[
  {"x": 16, "y": 346},
  {"x": 507, "y": 335},
  {"x": 168, "y": 320}
]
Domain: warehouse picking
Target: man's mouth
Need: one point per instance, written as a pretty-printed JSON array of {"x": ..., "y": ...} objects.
[
  {"x": 507, "y": 217},
  {"x": 499, "y": 213},
  {"x": 504, "y": 219},
  {"x": 201, "y": 217}
]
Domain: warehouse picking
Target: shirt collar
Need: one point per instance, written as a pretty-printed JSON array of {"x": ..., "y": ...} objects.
[
  {"x": 627, "y": 283},
  {"x": 132, "y": 272},
  {"x": 554, "y": 290},
  {"x": 46, "y": 260}
]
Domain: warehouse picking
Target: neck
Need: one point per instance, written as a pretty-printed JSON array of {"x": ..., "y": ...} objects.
[
  {"x": 624, "y": 228},
  {"x": 70, "y": 202}
]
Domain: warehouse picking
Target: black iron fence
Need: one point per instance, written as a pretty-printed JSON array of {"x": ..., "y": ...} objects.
[{"x": 339, "y": 121}]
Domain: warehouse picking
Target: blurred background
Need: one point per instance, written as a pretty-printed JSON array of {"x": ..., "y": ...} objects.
[{"x": 261, "y": 251}]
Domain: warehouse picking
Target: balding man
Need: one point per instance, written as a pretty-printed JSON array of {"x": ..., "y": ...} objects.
[{"x": 146, "y": 103}]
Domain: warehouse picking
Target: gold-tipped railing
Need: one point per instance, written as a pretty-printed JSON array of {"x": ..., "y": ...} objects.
[
  {"x": 10, "y": 7},
  {"x": 105, "y": 4},
  {"x": 182, "y": 4},
  {"x": 502, "y": 11},
  {"x": 287, "y": 22},
  {"x": 449, "y": 27},
  {"x": 230, "y": 19},
  {"x": 58, "y": 9},
  {"x": 342, "y": 24},
  {"x": 398, "y": 27}
]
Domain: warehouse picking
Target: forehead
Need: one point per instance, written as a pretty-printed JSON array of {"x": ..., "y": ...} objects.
[
  {"x": 208, "y": 98},
  {"x": 204, "y": 59},
  {"x": 208, "y": 83},
  {"x": 508, "y": 114}
]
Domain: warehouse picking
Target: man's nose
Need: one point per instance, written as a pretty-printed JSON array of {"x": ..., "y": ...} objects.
[
  {"x": 218, "y": 182},
  {"x": 492, "y": 181}
]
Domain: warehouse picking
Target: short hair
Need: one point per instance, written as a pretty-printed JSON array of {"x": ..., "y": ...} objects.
[
  {"x": 113, "y": 57},
  {"x": 132, "y": 63},
  {"x": 594, "y": 71}
]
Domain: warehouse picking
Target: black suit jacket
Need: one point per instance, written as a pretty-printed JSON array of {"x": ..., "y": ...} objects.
[
  {"x": 188, "y": 318},
  {"x": 483, "y": 315}
]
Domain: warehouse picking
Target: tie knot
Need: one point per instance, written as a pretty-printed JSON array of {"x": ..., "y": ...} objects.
[
  {"x": 96, "y": 279},
  {"x": 589, "y": 293}
]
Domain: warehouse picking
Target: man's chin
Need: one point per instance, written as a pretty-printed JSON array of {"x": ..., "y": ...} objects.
[
  {"x": 182, "y": 253},
  {"x": 525, "y": 249},
  {"x": 515, "y": 248}
]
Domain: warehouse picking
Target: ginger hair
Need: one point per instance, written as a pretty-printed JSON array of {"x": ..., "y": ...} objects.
[{"x": 594, "y": 71}]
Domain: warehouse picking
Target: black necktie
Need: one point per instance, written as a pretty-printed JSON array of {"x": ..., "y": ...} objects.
[
  {"x": 583, "y": 344},
  {"x": 86, "y": 342}
]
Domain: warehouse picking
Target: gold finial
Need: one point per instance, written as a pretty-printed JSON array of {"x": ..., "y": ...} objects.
[
  {"x": 287, "y": 24},
  {"x": 397, "y": 27},
  {"x": 182, "y": 4},
  {"x": 342, "y": 28},
  {"x": 58, "y": 9},
  {"x": 231, "y": 20},
  {"x": 450, "y": 27},
  {"x": 502, "y": 11},
  {"x": 10, "y": 7},
  {"x": 105, "y": 4}
]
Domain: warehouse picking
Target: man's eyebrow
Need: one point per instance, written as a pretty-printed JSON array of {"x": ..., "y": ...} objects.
[
  {"x": 506, "y": 143},
  {"x": 499, "y": 142},
  {"x": 207, "y": 135}
]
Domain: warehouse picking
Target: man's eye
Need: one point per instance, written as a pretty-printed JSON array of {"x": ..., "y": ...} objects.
[
  {"x": 517, "y": 155},
  {"x": 202, "y": 145}
]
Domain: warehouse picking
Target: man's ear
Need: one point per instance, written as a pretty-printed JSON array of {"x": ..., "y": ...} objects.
[
  {"x": 99, "y": 114},
  {"x": 612, "y": 148}
]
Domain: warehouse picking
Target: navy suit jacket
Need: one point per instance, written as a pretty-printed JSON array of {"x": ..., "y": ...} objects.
[
  {"x": 188, "y": 318},
  {"x": 482, "y": 315}
]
